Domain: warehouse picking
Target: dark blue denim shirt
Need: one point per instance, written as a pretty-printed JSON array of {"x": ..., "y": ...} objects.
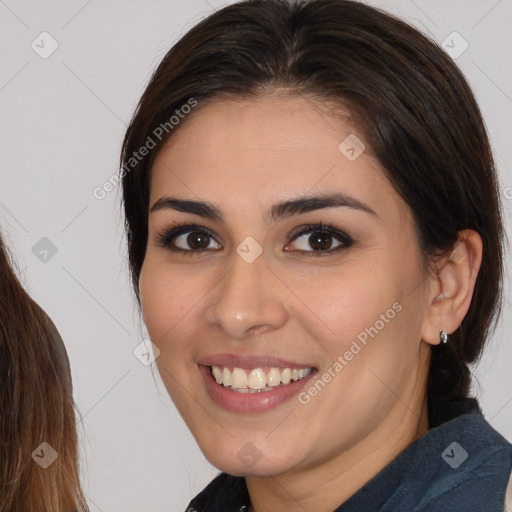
[{"x": 461, "y": 464}]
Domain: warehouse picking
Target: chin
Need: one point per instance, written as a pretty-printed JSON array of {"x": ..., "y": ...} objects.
[{"x": 246, "y": 459}]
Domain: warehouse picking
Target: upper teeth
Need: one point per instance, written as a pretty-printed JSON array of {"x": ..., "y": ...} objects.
[{"x": 238, "y": 378}]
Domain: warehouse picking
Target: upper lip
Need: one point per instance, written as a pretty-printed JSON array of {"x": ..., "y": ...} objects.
[{"x": 249, "y": 362}]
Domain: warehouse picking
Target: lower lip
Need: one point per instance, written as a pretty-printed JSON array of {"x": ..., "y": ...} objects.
[{"x": 251, "y": 402}]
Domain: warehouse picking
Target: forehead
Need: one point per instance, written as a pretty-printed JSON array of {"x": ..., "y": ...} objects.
[{"x": 264, "y": 150}]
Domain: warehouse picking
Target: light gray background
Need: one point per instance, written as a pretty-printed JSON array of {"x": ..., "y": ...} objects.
[{"x": 62, "y": 123}]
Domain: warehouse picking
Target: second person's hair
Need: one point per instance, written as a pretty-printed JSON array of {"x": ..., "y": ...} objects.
[{"x": 36, "y": 406}]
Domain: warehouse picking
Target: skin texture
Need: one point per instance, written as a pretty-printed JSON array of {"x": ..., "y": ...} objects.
[{"x": 292, "y": 304}]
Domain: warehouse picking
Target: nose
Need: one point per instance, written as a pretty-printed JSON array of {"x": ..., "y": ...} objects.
[{"x": 247, "y": 301}]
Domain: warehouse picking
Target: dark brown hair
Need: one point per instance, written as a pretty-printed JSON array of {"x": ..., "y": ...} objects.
[
  {"x": 412, "y": 104},
  {"x": 36, "y": 406}
]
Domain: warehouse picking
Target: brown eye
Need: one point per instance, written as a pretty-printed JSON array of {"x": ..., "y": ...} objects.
[
  {"x": 188, "y": 238},
  {"x": 319, "y": 239},
  {"x": 196, "y": 240}
]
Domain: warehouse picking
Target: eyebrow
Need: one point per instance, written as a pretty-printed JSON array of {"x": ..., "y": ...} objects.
[{"x": 277, "y": 212}]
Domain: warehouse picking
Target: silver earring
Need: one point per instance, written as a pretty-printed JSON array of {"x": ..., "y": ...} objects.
[{"x": 443, "y": 336}]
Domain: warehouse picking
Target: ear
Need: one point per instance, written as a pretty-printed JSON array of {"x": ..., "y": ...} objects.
[{"x": 452, "y": 287}]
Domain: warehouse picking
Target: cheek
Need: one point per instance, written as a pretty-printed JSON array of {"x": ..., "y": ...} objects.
[
  {"x": 167, "y": 305},
  {"x": 368, "y": 321},
  {"x": 165, "y": 299},
  {"x": 376, "y": 323},
  {"x": 349, "y": 302}
]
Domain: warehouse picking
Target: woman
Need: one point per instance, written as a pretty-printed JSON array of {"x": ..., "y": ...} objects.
[
  {"x": 315, "y": 241},
  {"x": 38, "y": 440}
]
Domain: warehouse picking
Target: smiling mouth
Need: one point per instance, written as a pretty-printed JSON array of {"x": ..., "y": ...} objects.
[{"x": 257, "y": 380}]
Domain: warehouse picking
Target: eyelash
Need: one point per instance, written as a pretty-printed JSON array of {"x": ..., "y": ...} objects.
[{"x": 166, "y": 236}]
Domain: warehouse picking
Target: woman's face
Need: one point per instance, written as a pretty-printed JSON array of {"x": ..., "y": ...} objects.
[{"x": 314, "y": 333}]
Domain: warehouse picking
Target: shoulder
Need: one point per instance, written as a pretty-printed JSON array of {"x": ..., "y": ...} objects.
[{"x": 473, "y": 465}]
